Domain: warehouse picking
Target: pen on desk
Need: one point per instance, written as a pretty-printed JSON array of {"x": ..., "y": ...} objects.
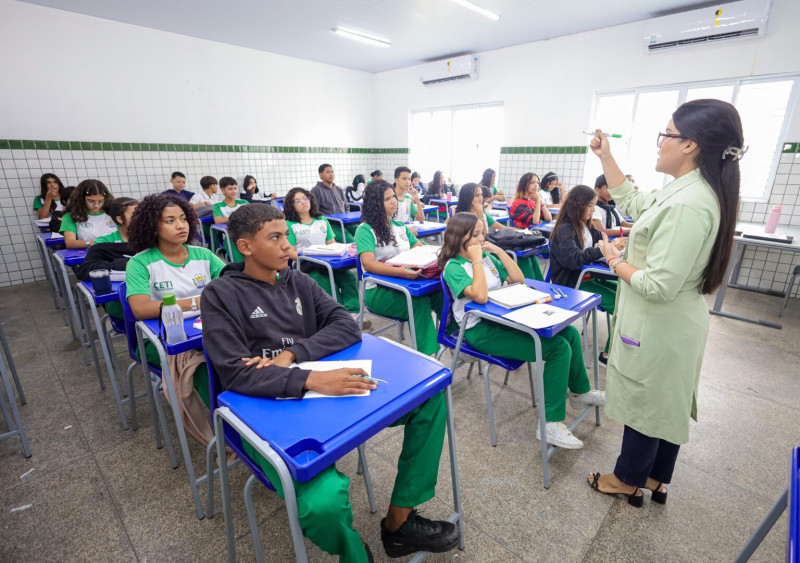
[
  {"x": 609, "y": 135},
  {"x": 555, "y": 295},
  {"x": 373, "y": 379},
  {"x": 563, "y": 295},
  {"x": 547, "y": 299}
]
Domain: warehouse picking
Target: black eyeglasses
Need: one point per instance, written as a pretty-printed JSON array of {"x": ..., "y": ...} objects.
[{"x": 661, "y": 136}]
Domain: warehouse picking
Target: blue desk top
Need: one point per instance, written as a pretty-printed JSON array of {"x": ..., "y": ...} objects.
[
  {"x": 577, "y": 300},
  {"x": 106, "y": 297},
  {"x": 793, "y": 547},
  {"x": 52, "y": 239},
  {"x": 501, "y": 205},
  {"x": 310, "y": 435},
  {"x": 207, "y": 219},
  {"x": 72, "y": 257},
  {"x": 429, "y": 208},
  {"x": 347, "y": 218},
  {"x": 417, "y": 287},
  {"x": 546, "y": 228},
  {"x": 443, "y": 202},
  {"x": 220, "y": 227},
  {"x": 335, "y": 262},
  {"x": 194, "y": 337},
  {"x": 531, "y": 251},
  {"x": 421, "y": 233}
]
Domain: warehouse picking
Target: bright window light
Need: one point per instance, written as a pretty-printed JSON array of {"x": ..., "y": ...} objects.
[
  {"x": 361, "y": 36},
  {"x": 475, "y": 8}
]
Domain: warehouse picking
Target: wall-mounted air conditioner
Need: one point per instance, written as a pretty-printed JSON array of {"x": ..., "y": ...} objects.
[
  {"x": 719, "y": 23},
  {"x": 455, "y": 68}
]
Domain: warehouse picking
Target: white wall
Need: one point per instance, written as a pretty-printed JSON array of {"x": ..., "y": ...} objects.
[
  {"x": 68, "y": 76},
  {"x": 548, "y": 86}
]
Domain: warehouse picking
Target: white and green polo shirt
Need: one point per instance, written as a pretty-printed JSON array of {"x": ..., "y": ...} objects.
[
  {"x": 110, "y": 237},
  {"x": 458, "y": 276},
  {"x": 95, "y": 226},
  {"x": 149, "y": 273},
  {"x": 38, "y": 203},
  {"x": 303, "y": 235},
  {"x": 222, "y": 209},
  {"x": 366, "y": 241},
  {"x": 406, "y": 209}
]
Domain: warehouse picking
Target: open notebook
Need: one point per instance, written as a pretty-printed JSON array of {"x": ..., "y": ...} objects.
[
  {"x": 335, "y": 249},
  {"x": 366, "y": 365},
  {"x": 516, "y": 295},
  {"x": 540, "y": 316},
  {"x": 421, "y": 256},
  {"x": 424, "y": 225}
]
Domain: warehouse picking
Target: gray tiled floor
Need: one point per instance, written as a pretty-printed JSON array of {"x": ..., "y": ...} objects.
[{"x": 97, "y": 492}]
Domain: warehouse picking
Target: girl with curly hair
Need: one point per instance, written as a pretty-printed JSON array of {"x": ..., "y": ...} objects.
[
  {"x": 160, "y": 231},
  {"x": 380, "y": 238},
  {"x": 84, "y": 220},
  {"x": 308, "y": 226}
]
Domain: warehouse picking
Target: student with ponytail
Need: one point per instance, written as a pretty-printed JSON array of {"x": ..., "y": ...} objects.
[{"x": 678, "y": 251}]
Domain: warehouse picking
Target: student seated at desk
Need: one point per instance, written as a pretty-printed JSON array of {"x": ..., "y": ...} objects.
[
  {"x": 111, "y": 251},
  {"x": 470, "y": 200},
  {"x": 207, "y": 196},
  {"x": 464, "y": 248},
  {"x": 606, "y": 217},
  {"x": 251, "y": 192},
  {"x": 552, "y": 191},
  {"x": 437, "y": 189},
  {"x": 355, "y": 191},
  {"x": 229, "y": 203},
  {"x": 298, "y": 322},
  {"x": 308, "y": 226},
  {"x": 527, "y": 211},
  {"x": 84, "y": 220},
  {"x": 379, "y": 238},
  {"x": 178, "y": 181},
  {"x": 490, "y": 191},
  {"x": 574, "y": 244},
  {"x": 331, "y": 200},
  {"x": 409, "y": 206},
  {"x": 159, "y": 233},
  {"x": 49, "y": 198}
]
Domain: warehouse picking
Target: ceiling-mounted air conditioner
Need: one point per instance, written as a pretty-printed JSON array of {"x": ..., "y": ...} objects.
[
  {"x": 455, "y": 68},
  {"x": 719, "y": 23}
]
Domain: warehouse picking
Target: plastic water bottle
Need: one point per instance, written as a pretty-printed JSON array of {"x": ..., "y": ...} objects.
[
  {"x": 172, "y": 319},
  {"x": 772, "y": 220}
]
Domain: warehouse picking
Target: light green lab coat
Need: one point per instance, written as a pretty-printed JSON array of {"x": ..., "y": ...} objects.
[{"x": 653, "y": 387}]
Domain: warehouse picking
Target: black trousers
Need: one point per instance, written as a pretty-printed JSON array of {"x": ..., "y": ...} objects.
[{"x": 642, "y": 457}]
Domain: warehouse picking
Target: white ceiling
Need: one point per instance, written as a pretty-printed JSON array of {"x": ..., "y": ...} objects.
[{"x": 419, "y": 30}]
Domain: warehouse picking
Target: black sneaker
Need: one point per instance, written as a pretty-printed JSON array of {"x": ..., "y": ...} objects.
[{"x": 419, "y": 534}]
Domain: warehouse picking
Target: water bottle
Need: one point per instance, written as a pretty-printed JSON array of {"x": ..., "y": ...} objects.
[
  {"x": 772, "y": 220},
  {"x": 172, "y": 319}
]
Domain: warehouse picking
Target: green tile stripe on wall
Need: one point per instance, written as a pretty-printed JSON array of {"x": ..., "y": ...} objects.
[
  {"x": 179, "y": 147},
  {"x": 791, "y": 148},
  {"x": 543, "y": 150}
]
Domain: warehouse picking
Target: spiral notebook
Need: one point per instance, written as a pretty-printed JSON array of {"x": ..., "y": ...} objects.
[
  {"x": 516, "y": 295},
  {"x": 419, "y": 256}
]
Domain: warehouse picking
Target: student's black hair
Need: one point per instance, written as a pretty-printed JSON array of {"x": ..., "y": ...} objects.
[
  {"x": 486, "y": 179},
  {"x": 373, "y": 212},
  {"x": 76, "y": 206},
  {"x": 226, "y": 181},
  {"x": 116, "y": 208},
  {"x": 414, "y": 175},
  {"x": 399, "y": 170},
  {"x": 435, "y": 185},
  {"x": 291, "y": 212},
  {"x": 458, "y": 227},
  {"x": 375, "y": 173},
  {"x": 207, "y": 181},
  {"x": 246, "y": 182},
  {"x": 572, "y": 212},
  {"x": 716, "y": 126},
  {"x": 600, "y": 182},
  {"x": 522, "y": 185},
  {"x": 555, "y": 193},
  {"x": 465, "y": 197},
  {"x": 177, "y": 174},
  {"x": 143, "y": 229},
  {"x": 359, "y": 179},
  {"x": 322, "y": 167},
  {"x": 43, "y": 181},
  {"x": 246, "y": 221}
]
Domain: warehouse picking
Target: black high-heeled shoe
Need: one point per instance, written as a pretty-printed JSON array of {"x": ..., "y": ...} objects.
[
  {"x": 636, "y": 498},
  {"x": 659, "y": 496}
]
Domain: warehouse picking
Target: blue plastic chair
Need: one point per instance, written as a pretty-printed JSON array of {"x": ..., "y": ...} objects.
[
  {"x": 394, "y": 321},
  {"x": 451, "y": 341},
  {"x": 152, "y": 375},
  {"x": 234, "y": 441}
]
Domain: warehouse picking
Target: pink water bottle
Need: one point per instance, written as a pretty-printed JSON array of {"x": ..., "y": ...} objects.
[{"x": 772, "y": 220}]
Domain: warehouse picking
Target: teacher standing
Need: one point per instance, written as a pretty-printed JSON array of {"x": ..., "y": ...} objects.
[{"x": 678, "y": 250}]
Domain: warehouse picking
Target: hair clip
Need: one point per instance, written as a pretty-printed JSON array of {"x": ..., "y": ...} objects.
[{"x": 736, "y": 152}]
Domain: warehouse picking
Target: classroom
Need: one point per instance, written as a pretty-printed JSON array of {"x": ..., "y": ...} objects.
[{"x": 273, "y": 154}]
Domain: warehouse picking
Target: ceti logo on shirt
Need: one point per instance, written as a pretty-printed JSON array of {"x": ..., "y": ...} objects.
[
  {"x": 403, "y": 235},
  {"x": 161, "y": 286},
  {"x": 322, "y": 227},
  {"x": 199, "y": 281},
  {"x": 110, "y": 223}
]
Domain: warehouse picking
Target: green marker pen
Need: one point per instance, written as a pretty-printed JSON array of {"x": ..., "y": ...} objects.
[{"x": 610, "y": 135}]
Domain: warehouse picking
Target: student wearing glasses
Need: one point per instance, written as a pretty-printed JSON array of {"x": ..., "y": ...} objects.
[{"x": 84, "y": 219}]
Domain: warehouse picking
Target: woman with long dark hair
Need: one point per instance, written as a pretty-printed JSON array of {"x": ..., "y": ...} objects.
[
  {"x": 84, "y": 220},
  {"x": 49, "y": 198},
  {"x": 490, "y": 191},
  {"x": 551, "y": 190},
  {"x": 470, "y": 200},
  {"x": 678, "y": 251},
  {"x": 437, "y": 189},
  {"x": 379, "y": 238}
]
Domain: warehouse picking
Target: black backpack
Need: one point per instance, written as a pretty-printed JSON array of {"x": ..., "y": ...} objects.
[{"x": 511, "y": 239}]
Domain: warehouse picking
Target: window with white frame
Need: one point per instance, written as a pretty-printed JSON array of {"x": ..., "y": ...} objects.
[
  {"x": 460, "y": 141},
  {"x": 764, "y": 105}
]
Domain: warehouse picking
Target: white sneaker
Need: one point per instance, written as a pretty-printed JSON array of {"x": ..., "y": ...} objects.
[
  {"x": 367, "y": 323},
  {"x": 593, "y": 398},
  {"x": 559, "y": 435}
]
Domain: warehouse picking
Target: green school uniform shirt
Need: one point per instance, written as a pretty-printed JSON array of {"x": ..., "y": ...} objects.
[
  {"x": 489, "y": 219},
  {"x": 110, "y": 237},
  {"x": 95, "y": 226},
  {"x": 406, "y": 209},
  {"x": 149, "y": 273},
  {"x": 367, "y": 242},
  {"x": 222, "y": 209},
  {"x": 652, "y": 387},
  {"x": 38, "y": 203},
  {"x": 302, "y": 235},
  {"x": 458, "y": 276}
]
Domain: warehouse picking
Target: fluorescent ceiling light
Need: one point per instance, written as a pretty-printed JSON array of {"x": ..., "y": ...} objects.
[
  {"x": 476, "y": 8},
  {"x": 361, "y": 36}
]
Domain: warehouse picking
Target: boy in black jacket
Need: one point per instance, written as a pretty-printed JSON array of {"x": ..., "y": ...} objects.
[{"x": 260, "y": 317}]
